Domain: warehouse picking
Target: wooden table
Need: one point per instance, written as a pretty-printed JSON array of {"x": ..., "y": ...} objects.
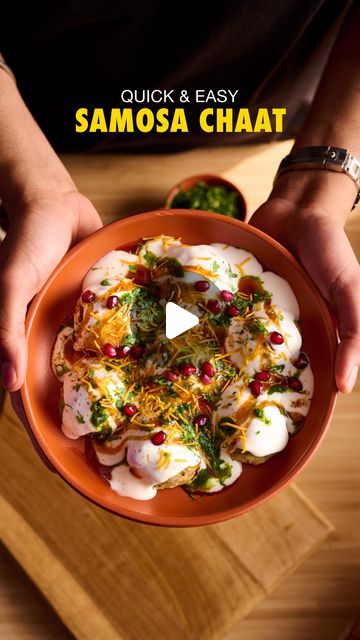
[{"x": 321, "y": 597}]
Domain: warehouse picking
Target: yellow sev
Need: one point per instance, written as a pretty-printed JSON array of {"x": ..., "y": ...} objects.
[{"x": 117, "y": 322}]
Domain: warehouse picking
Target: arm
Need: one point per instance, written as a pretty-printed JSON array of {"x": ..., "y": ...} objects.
[
  {"x": 307, "y": 209},
  {"x": 46, "y": 213}
]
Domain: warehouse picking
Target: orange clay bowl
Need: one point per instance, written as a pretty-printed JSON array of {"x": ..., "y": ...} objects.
[{"x": 40, "y": 393}]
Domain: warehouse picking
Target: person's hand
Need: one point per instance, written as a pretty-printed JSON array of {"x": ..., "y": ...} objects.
[
  {"x": 42, "y": 229},
  {"x": 47, "y": 215},
  {"x": 306, "y": 213}
]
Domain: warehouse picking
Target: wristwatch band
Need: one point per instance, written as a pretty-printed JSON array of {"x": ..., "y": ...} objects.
[{"x": 329, "y": 158}]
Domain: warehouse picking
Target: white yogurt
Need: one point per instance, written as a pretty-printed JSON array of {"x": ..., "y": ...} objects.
[
  {"x": 139, "y": 466},
  {"x": 267, "y": 436}
]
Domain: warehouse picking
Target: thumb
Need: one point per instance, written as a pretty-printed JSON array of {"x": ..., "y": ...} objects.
[
  {"x": 18, "y": 284},
  {"x": 345, "y": 294}
]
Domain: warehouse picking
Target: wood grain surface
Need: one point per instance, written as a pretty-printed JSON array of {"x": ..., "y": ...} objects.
[
  {"x": 320, "y": 598},
  {"x": 110, "y": 578}
]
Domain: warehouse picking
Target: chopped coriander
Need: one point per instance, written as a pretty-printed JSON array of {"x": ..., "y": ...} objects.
[
  {"x": 231, "y": 273},
  {"x": 215, "y": 197},
  {"x": 80, "y": 419},
  {"x": 213, "y": 397},
  {"x": 201, "y": 480},
  {"x": 105, "y": 283},
  {"x": 259, "y": 413},
  {"x": 147, "y": 311},
  {"x": 260, "y": 297},
  {"x": 119, "y": 404},
  {"x": 150, "y": 258},
  {"x": 277, "y": 388},
  {"x": 256, "y": 327},
  {"x": 98, "y": 415},
  {"x": 231, "y": 373},
  {"x": 240, "y": 303},
  {"x": 221, "y": 320},
  {"x": 126, "y": 298},
  {"x": 215, "y": 266},
  {"x": 275, "y": 368}
]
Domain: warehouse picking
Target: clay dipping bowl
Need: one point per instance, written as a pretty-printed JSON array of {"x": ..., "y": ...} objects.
[
  {"x": 40, "y": 393},
  {"x": 210, "y": 180}
]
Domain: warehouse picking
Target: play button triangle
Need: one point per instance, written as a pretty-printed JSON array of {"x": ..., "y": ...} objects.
[{"x": 178, "y": 320}]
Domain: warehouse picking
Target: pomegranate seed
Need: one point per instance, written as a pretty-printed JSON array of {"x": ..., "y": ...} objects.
[
  {"x": 109, "y": 350},
  {"x": 302, "y": 361},
  {"x": 187, "y": 369},
  {"x": 227, "y": 296},
  {"x": 87, "y": 296},
  {"x": 171, "y": 376},
  {"x": 214, "y": 307},
  {"x": 208, "y": 369},
  {"x": 205, "y": 379},
  {"x": 112, "y": 302},
  {"x": 129, "y": 409},
  {"x": 295, "y": 384},
  {"x": 121, "y": 352},
  {"x": 255, "y": 387},
  {"x": 137, "y": 350},
  {"x": 276, "y": 337},
  {"x": 202, "y": 286},
  {"x": 201, "y": 420},
  {"x": 263, "y": 376},
  {"x": 232, "y": 311},
  {"x": 158, "y": 438}
]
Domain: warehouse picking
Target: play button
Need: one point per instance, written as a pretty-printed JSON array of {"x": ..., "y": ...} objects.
[{"x": 178, "y": 320}]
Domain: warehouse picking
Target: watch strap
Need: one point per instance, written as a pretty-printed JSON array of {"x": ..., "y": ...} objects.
[{"x": 323, "y": 157}]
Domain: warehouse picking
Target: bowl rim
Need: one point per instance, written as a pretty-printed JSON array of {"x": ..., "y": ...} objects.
[
  {"x": 165, "y": 520},
  {"x": 211, "y": 179}
]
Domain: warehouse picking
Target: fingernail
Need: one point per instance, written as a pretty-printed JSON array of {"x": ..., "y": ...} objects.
[
  {"x": 9, "y": 376},
  {"x": 352, "y": 377}
]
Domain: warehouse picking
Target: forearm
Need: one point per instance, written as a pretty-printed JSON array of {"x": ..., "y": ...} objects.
[
  {"x": 333, "y": 119},
  {"x": 28, "y": 164}
]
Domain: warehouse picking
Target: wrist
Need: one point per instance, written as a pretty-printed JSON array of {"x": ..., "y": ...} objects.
[
  {"x": 29, "y": 166},
  {"x": 21, "y": 185},
  {"x": 319, "y": 192}
]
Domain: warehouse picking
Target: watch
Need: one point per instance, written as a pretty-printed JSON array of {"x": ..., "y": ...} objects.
[{"x": 322, "y": 157}]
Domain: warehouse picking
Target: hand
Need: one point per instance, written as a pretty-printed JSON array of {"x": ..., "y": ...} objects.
[
  {"x": 306, "y": 214},
  {"x": 41, "y": 230}
]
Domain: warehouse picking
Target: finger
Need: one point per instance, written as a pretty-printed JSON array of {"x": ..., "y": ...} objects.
[
  {"x": 89, "y": 219},
  {"x": 345, "y": 293},
  {"x": 18, "y": 284},
  {"x": 325, "y": 251}
]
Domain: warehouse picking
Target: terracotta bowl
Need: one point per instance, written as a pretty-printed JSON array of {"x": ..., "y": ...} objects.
[
  {"x": 40, "y": 393},
  {"x": 209, "y": 179}
]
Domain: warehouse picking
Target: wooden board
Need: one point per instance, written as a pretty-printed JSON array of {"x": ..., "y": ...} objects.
[
  {"x": 315, "y": 601},
  {"x": 109, "y": 578}
]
